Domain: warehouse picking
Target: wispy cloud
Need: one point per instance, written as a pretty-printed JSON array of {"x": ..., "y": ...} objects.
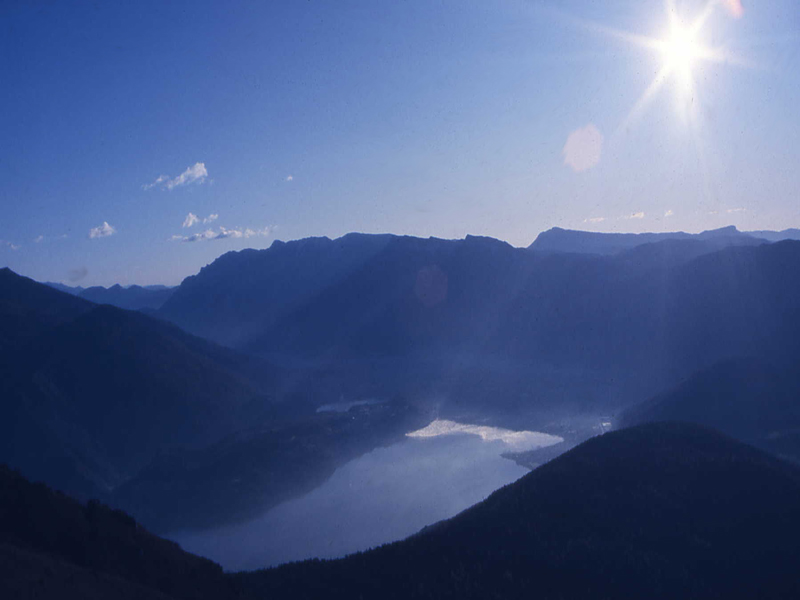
[
  {"x": 224, "y": 233},
  {"x": 208, "y": 234},
  {"x": 41, "y": 238},
  {"x": 730, "y": 211},
  {"x": 103, "y": 230},
  {"x": 594, "y": 220},
  {"x": 11, "y": 245},
  {"x": 197, "y": 173},
  {"x": 190, "y": 220},
  {"x": 159, "y": 180},
  {"x": 669, "y": 213},
  {"x": 290, "y": 178},
  {"x": 636, "y": 215},
  {"x": 583, "y": 148}
]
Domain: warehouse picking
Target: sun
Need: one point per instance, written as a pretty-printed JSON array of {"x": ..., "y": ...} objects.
[
  {"x": 681, "y": 49},
  {"x": 682, "y": 52}
]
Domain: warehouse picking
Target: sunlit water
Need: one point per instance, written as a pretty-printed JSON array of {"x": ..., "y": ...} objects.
[{"x": 380, "y": 497}]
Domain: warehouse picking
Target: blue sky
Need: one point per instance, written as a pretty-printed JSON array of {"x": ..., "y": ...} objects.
[{"x": 293, "y": 119}]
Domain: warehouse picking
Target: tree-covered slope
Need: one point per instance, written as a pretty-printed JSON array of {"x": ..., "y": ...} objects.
[{"x": 658, "y": 511}]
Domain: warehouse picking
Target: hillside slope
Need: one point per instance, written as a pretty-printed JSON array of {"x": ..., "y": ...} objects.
[
  {"x": 54, "y": 547},
  {"x": 93, "y": 393},
  {"x": 752, "y": 400},
  {"x": 658, "y": 511}
]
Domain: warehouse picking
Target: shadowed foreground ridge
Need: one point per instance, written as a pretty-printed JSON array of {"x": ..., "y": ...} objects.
[
  {"x": 663, "y": 510},
  {"x": 52, "y": 546}
]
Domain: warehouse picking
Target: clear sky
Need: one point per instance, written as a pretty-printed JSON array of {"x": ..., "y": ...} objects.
[{"x": 282, "y": 120}]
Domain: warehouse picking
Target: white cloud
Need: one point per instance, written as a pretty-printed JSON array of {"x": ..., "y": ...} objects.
[
  {"x": 636, "y": 215},
  {"x": 290, "y": 178},
  {"x": 669, "y": 213},
  {"x": 736, "y": 210},
  {"x": 103, "y": 230},
  {"x": 229, "y": 233},
  {"x": 594, "y": 220},
  {"x": 583, "y": 148},
  {"x": 190, "y": 220},
  {"x": 38, "y": 239},
  {"x": 194, "y": 174},
  {"x": 11, "y": 245},
  {"x": 208, "y": 234},
  {"x": 197, "y": 173},
  {"x": 263, "y": 232},
  {"x": 159, "y": 180},
  {"x": 224, "y": 233}
]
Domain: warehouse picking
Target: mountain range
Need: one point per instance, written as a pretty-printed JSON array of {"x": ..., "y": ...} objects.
[
  {"x": 474, "y": 318},
  {"x": 133, "y": 297},
  {"x": 202, "y": 411}
]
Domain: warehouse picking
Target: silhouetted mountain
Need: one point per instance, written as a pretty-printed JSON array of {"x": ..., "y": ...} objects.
[
  {"x": 253, "y": 470},
  {"x": 51, "y": 546},
  {"x": 477, "y": 318},
  {"x": 28, "y": 308},
  {"x": 776, "y": 236},
  {"x": 590, "y": 242},
  {"x": 134, "y": 297},
  {"x": 92, "y": 393},
  {"x": 69, "y": 289},
  {"x": 244, "y": 293},
  {"x": 415, "y": 296},
  {"x": 656, "y": 307},
  {"x": 657, "y": 511},
  {"x": 746, "y": 398}
]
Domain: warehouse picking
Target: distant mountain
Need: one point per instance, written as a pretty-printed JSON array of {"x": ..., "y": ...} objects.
[
  {"x": 776, "y": 236},
  {"x": 417, "y": 296},
  {"x": 475, "y": 319},
  {"x": 54, "y": 547},
  {"x": 134, "y": 297},
  {"x": 93, "y": 393},
  {"x": 244, "y": 293},
  {"x": 657, "y": 511},
  {"x": 73, "y": 290},
  {"x": 590, "y": 242},
  {"x": 749, "y": 399},
  {"x": 654, "y": 306}
]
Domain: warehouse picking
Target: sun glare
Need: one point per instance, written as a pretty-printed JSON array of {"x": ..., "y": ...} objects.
[
  {"x": 681, "y": 49},
  {"x": 682, "y": 52}
]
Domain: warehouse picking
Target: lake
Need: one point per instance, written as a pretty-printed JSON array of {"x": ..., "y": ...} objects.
[{"x": 383, "y": 496}]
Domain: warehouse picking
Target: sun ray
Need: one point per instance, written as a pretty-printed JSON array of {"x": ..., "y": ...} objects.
[
  {"x": 645, "y": 99},
  {"x": 700, "y": 21},
  {"x": 681, "y": 49}
]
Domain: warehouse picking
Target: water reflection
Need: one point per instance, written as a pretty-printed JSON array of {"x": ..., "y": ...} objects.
[{"x": 380, "y": 497}]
